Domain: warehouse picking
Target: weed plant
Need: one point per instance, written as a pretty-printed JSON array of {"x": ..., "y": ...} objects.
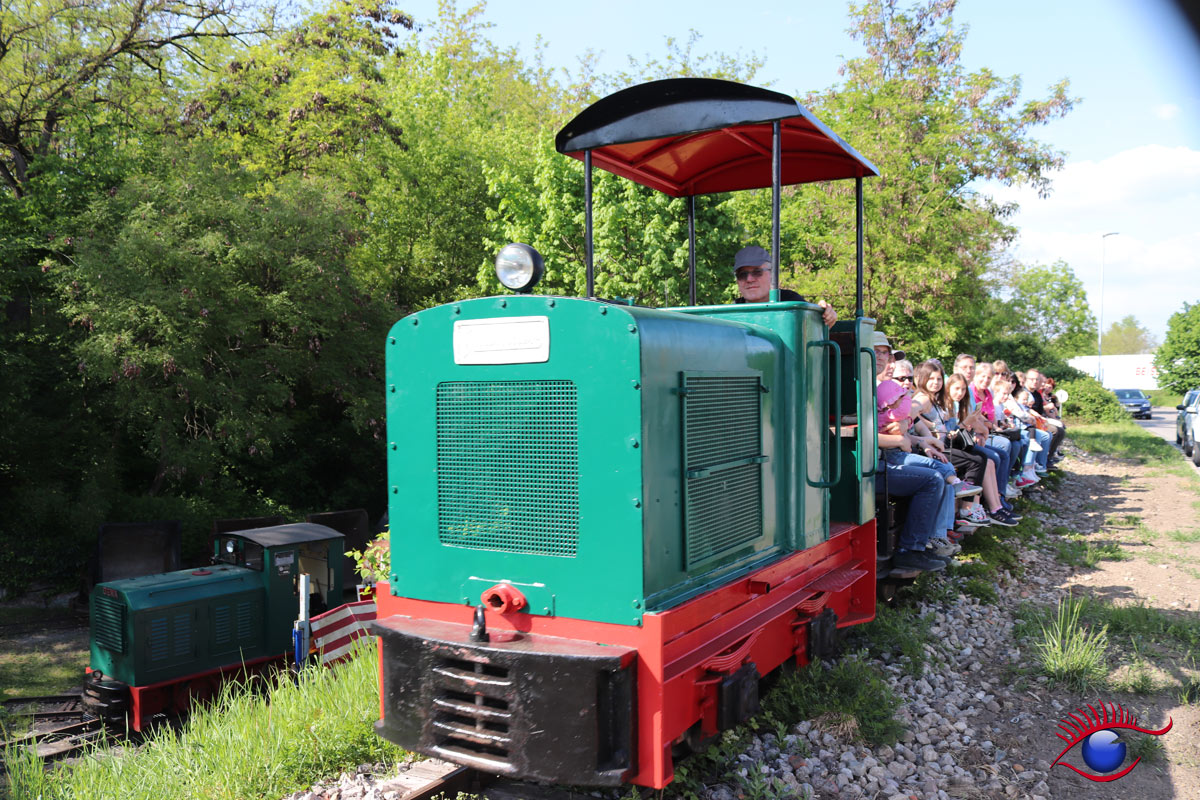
[
  {"x": 1147, "y": 748},
  {"x": 852, "y": 689},
  {"x": 1074, "y": 550},
  {"x": 245, "y": 745},
  {"x": 983, "y": 590},
  {"x": 895, "y": 631},
  {"x": 1071, "y": 653},
  {"x": 1189, "y": 691}
]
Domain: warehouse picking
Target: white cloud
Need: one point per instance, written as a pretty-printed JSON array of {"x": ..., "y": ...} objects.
[
  {"x": 1167, "y": 111},
  {"x": 1150, "y": 195}
]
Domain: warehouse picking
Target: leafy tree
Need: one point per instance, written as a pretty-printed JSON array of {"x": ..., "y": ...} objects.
[
  {"x": 310, "y": 98},
  {"x": 1178, "y": 359},
  {"x": 933, "y": 129},
  {"x": 1126, "y": 336},
  {"x": 225, "y": 340},
  {"x": 65, "y": 59},
  {"x": 1050, "y": 303}
]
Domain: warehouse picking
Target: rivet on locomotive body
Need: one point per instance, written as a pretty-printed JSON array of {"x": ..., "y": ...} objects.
[
  {"x": 637, "y": 502},
  {"x": 391, "y": 340},
  {"x": 395, "y": 490},
  {"x": 395, "y": 446},
  {"x": 550, "y": 303},
  {"x": 457, "y": 310},
  {"x": 637, "y": 384},
  {"x": 504, "y": 304},
  {"x": 603, "y": 310},
  {"x": 635, "y": 443},
  {"x": 632, "y": 328},
  {"x": 392, "y": 388}
]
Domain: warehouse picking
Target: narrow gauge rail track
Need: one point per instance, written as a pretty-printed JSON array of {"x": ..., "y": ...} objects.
[{"x": 59, "y": 725}]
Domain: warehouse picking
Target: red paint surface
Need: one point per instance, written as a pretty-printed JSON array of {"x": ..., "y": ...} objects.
[{"x": 683, "y": 651}]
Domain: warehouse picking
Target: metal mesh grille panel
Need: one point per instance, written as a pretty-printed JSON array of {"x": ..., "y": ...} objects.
[
  {"x": 722, "y": 419},
  {"x": 508, "y": 466},
  {"x": 722, "y": 427}
]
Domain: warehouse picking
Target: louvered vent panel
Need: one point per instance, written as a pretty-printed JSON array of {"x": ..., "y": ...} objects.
[
  {"x": 508, "y": 466},
  {"x": 157, "y": 642},
  {"x": 222, "y": 625},
  {"x": 181, "y": 635},
  {"x": 108, "y": 624},
  {"x": 245, "y": 619}
]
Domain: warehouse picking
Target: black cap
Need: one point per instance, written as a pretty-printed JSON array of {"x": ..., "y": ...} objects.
[{"x": 750, "y": 256}]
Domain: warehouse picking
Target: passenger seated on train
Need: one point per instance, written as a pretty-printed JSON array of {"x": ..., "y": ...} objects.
[
  {"x": 927, "y": 488},
  {"x": 884, "y": 356},
  {"x": 752, "y": 269},
  {"x": 929, "y": 403}
]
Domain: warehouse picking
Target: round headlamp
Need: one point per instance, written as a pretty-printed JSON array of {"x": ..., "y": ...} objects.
[{"x": 519, "y": 267}]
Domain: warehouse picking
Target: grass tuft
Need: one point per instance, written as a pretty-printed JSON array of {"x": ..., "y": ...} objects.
[{"x": 1071, "y": 653}]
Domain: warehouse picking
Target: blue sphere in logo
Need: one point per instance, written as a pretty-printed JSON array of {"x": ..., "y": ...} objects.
[{"x": 1103, "y": 751}]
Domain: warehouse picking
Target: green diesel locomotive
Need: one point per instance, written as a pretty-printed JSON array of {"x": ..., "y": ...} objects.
[
  {"x": 609, "y": 522},
  {"x": 161, "y": 642}
]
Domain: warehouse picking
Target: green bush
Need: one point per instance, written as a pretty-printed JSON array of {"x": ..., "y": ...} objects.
[{"x": 1090, "y": 402}]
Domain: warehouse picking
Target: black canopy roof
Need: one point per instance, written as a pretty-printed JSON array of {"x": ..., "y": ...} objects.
[{"x": 686, "y": 136}]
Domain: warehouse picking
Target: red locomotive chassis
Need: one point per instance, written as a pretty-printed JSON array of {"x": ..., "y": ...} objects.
[{"x": 521, "y": 703}]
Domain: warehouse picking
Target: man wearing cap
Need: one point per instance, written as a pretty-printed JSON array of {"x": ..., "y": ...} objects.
[
  {"x": 752, "y": 268},
  {"x": 885, "y": 357}
]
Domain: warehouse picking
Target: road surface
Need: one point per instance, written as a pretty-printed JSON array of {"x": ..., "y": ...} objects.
[{"x": 1162, "y": 423}]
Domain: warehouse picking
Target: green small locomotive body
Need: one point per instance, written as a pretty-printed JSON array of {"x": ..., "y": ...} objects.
[{"x": 158, "y": 640}]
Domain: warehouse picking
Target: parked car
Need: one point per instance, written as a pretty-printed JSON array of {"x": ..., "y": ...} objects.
[
  {"x": 1189, "y": 400},
  {"x": 1191, "y": 427},
  {"x": 1189, "y": 412},
  {"x": 1134, "y": 401}
]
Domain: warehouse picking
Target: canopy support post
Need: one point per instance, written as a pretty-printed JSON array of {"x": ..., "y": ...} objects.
[
  {"x": 691, "y": 208},
  {"x": 587, "y": 223},
  {"x": 776, "y": 197},
  {"x": 858, "y": 246}
]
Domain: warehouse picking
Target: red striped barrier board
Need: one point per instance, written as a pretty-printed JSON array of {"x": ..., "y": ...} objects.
[{"x": 334, "y": 632}]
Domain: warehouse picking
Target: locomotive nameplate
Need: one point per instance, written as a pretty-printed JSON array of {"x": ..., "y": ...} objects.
[{"x": 502, "y": 340}]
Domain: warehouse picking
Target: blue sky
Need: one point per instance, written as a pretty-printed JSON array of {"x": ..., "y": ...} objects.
[{"x": 1132, "y": 142}]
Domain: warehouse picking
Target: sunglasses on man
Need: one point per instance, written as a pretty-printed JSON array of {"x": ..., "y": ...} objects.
[{"x": 755, "y": 272}]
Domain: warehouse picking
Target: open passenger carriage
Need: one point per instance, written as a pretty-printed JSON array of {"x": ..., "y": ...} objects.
[{"x": 609, "y": 521}]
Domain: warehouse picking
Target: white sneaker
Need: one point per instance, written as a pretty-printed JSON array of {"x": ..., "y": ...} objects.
[
  {"x": 942, "y": 547},
  {"x": 1011, "y": 492},
  {"x": 1035, "y": 447}
]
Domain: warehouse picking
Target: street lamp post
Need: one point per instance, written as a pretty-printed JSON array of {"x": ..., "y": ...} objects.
[{"x": 1100, "y": 328}]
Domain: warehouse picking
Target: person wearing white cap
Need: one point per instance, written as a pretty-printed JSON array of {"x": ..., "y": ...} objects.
[{"x": 752, "y": 268}]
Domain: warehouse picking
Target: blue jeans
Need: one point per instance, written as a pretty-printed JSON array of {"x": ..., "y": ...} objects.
[
  {"x": 1042, "y": 438},
  {"x": 1003, "y": 448},
  {"x": 927, "y": 488},
  {"x": 895, "y": 456}
]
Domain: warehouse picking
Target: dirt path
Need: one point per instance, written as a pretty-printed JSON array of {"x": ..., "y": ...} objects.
[{"x": 1150, "y": 517}]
